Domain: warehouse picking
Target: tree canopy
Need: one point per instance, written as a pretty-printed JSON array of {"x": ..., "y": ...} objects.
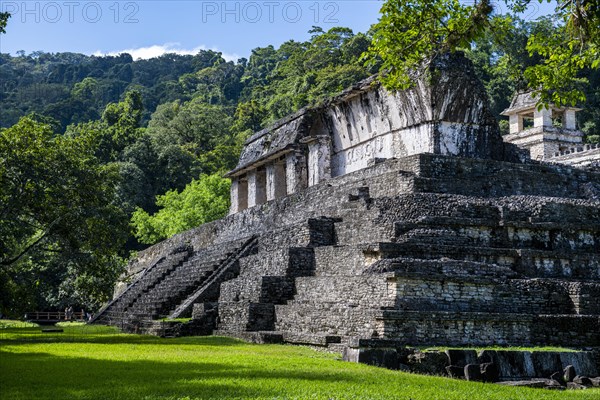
[
  {"x": 412, "y": 32},
  {"x": 57, "y": 213},
  {"x": 4, "y": 16},
  {"x": 203, "y": 200}
]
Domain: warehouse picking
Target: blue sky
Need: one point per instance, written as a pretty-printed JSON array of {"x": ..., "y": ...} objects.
[{"x": 151, "y": 27}]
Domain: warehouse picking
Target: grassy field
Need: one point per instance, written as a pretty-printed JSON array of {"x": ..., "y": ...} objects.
[{"x": 96, "y": 362}]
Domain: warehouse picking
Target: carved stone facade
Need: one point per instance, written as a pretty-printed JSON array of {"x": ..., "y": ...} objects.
[{"x": 367, "y": 124}]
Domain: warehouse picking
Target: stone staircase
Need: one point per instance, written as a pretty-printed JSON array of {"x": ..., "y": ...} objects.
[
  {"x": 208, "y": 290},
  {"x": 170, "y": 287},
  {"x": 247, "y": 303},
  {"x": 115, "y": 312}
]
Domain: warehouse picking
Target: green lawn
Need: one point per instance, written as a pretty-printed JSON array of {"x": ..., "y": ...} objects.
[{"x": 95, "y": 362}]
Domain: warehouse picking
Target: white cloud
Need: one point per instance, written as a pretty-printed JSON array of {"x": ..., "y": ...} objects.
[{"x": 160, "y": 49}]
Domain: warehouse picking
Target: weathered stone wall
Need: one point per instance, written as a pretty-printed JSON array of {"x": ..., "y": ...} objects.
[
  {"x": 420, "y": 249},
  {"x": 464, "y": 295},
  {"x": 469, "y": 177},
  {"x": 445, "y": 113},
  {"x": 472, "y": 329}
]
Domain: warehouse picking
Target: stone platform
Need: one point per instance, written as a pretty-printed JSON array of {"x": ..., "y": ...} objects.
[{"x": 425, "y": 250}]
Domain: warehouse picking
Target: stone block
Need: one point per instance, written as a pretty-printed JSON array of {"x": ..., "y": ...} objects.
[
  {"x": 583, "y": 380},
  {"x": 473, "y": 372},
  {"x": 201, "y": 309},
  {"x": 428, "y": 362},
  {"x": 387, "y": 358},
  {"x": 511, "y": 364},
  {"x": 584, "y": 362},
  {"x": 569, "y": 373},
  {"x": 489, "y": 372},
  {"x": 461, "y": 357},
  {"x": 545, "y": 363}
]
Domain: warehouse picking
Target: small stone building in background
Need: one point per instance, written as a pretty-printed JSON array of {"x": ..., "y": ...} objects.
[{"x": 549, "y": 133}]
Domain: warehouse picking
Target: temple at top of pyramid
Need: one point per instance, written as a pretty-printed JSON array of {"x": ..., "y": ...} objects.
[{"x": 444, "y": 113}]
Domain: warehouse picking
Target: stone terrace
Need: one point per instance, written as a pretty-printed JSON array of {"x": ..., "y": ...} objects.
[
  {"x": 433, "y": 233},
  {"x": 379, "y": 254}
]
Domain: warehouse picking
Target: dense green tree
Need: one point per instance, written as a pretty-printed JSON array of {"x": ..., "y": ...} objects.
[
  {"x": 569, "y": 49},
  {"x": 249, "y": 116},
  {"x": 218, "y": 84},
  {"x": 57, "y": 214},
  {"x": 501, "y": 61},
  {"x": 123, "y": 120},
  {"x": 117, "y": 129},
  {"x": 85, "y": 90},
  {"x": 261, "y": 64},
  {"x": 411, "y": 32},
  {"x": 202, "y": 201},
  {"x": 147, "y": 166},
  {"x": 136, "y": 188},
  {"x": 149, "y": 169},
  {"x": 196, "y": 126}
]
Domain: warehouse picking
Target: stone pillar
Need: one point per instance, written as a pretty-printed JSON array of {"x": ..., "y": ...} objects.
[
  {"x": 515, "y": 123},
  {"x": 251, "y": 188},
  {"x": 233, "y": 196},
  {"x": 569, "y": 121},
  {"x": 239, "y": 194},
  {"x": 276, "y": 186},
  {"x": 243, "y": 193},
  {"x": 319, "y": 160},
  {"x": 542, "y": 117},
  {"x": 295, "y": 172},
  {"x": 257, "y": 193}
]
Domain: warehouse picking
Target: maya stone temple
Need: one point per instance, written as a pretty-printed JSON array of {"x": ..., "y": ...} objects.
[{"x": 379, "y": 220}]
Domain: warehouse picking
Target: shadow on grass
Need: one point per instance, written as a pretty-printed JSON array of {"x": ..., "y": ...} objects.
[
  {"x": 85, "y": 335},
  {"x": 41, "y": 375}
]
